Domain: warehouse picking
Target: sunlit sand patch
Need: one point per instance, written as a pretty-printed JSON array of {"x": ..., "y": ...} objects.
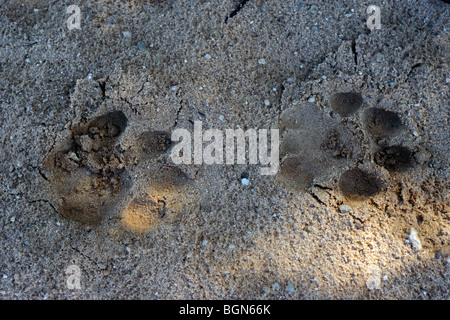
[{"x": 142, "y": 214}]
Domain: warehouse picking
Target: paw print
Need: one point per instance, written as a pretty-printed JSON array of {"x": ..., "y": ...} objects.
[
  {"x": 349, "y": 145},
  {"x": 93, "y": 176},
  {"x": 88, "y": 170}
]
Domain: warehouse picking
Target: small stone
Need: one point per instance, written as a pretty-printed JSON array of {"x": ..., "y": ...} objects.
[
  {"x": 73, "y": 156},
  {"x": 245, "y": 181},
  {"x": 221, "y": 118},
  {"x": 102, "y": 266},
  {"x": 86, "y": 143},
  {"x": 208, "y": 57},
  {"x": 290, "y": 288},
  {"x": 414, "y": 240},
  {"x": 126, "y": 34},
  {"x": 142, "y": 46},
  {"x": 262, "y": 61},
  {"x": 276, "y": 286},
  {"x": 267, "y": 103},
  {"x": 345, "y": 208},
  {"x": 231, "y": 247},
  {"x": 312, "y": 99}
]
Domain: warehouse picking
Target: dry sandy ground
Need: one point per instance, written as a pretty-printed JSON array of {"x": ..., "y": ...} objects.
[{"x": 359, "y": 209}]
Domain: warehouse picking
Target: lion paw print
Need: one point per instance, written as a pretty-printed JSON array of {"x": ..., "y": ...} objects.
[
  {"x": 319, "y": 148},
  {"x": 93, "y": 177}
]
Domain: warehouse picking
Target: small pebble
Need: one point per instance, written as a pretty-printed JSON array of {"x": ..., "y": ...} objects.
[
  {"x": 73, "y": 156},
  {"x": 262, "y": 61},
  {"x": 86, "y": 143},
  {"x": 102, "y": 266},
  {"x": 142, "y": 46},
  {"x": 276, "y": 286},
  {"x": 126, "y": 34},
  {"x": 267, "y": 102},
  {"x": 414, "y": 240},
  {"x": 345, "y": 208},
  {"x": 245, "y": 181},
  {"x": 208, "y": 57},
  {"x": 290, "y": 288},
  {"x": 312, "y": 99}
]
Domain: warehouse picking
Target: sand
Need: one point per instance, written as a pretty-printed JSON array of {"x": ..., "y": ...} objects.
[{"x": 358, "y": 210}]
